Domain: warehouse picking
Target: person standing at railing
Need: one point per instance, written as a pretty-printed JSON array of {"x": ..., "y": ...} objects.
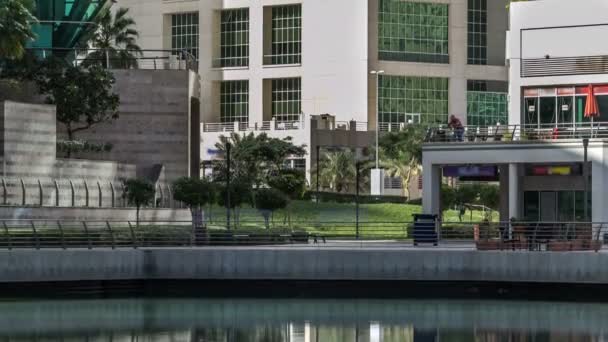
[{"x": 457, "y": 127}]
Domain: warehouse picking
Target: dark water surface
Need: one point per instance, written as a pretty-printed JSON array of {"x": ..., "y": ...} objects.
[{"x": 295, "y": 320}]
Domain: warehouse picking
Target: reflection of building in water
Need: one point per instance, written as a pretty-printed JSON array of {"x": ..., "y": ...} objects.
[{"x": 538, "y": 336}]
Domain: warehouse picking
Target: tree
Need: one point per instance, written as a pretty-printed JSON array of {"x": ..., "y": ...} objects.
[
  {"x": 15, "y": 27},
  {"x": 337, "y": 170},
  {"x": 240, "y": 193},
  {"x": 267, "y": 201},
  {"x": 138, "y": 192},
  {"x": 403, "y": 153},
  {"x": 83, "y": 96},
  {"x": 290, "y": 182},
  {"x": 115, "y": 41},
  {"x": 194, "y": 193}
]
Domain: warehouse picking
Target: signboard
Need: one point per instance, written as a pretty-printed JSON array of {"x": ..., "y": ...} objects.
[
  {"x": 472, "y": 172},
  {"x": 213, "y": 152}
]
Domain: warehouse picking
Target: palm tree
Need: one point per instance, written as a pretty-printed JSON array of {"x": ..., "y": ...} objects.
[
  {"x": 115, "y": 41},
  {"x": 402, "y": 168},
  {"x": 403, "y": 153},
  {"x": 338, "y": 170},
  {"x": 15, "y": 27}
]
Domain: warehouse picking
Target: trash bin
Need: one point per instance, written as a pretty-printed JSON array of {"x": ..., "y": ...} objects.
[{"x": 425, "y": 230}]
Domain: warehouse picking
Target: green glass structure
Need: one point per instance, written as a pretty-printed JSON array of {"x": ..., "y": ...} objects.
[
  {"x": 486, "y": 108},
  {"x": 408, "y": 99},
  {"x": 64, "y": 23},
  {"x": 413, "y": 31}
]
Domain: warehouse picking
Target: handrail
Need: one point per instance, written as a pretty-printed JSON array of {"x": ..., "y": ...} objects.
[{"x": 512, "y": 133}]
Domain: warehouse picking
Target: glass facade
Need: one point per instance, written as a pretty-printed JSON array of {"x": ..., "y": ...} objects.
[
  {"x": 64, "y": 23},
  {"x": 234, "y": 101},
  {"x": 417, "y": 99},
  {"x": 556, "y": 206},
  {"x": 184, "y": 32},
  {"x": 234, "y": 38},
  {"x": 486, "y": 108},
  {"x": 286, "y": 99},
  {"x": 477, "y": 24},
  {"x": 413, "y": 31},
  {"x": 286, "y": 44}
]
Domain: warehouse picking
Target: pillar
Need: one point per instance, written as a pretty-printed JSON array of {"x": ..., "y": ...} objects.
[
  {"x": 599, "y": 177},
  {"x": 503, "y": 207},
  {"x": 514, "y": 189},
  {"x": 431, "y": 189}
]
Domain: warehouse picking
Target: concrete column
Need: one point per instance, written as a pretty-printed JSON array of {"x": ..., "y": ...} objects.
[
  {"x": 458, "y": 59},
  {"x": 599, "y": 177},
  {"x": 431, "y": 189},
  {"x": 514, "y": 195},
  {"x": 503, "y": 207}
]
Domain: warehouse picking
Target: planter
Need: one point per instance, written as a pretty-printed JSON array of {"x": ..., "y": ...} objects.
[{"x": 489, "y": 245}]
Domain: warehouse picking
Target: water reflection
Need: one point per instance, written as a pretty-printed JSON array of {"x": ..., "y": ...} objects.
[{"x": 225, "y": 320}]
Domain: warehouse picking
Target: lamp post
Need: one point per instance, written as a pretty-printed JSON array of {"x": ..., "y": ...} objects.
[
  {"x": 377, "y": 73},
  {"x": 228, "y": 147}
]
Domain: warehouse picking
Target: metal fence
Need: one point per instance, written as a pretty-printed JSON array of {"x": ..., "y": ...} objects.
[
  {"x": 484, "y": 236},
  {"x": 510, "y": 133},
  {"x": 168, "y": 59}
]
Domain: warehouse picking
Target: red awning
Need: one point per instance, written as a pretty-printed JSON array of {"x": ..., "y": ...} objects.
[{"x": 591, "y": 107}]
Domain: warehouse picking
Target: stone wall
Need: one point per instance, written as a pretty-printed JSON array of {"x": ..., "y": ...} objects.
[{"x": 153, "y": 127}]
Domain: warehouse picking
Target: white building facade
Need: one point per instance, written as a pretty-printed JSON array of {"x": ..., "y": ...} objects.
[
  {"x": 557, "y": 68},
  {"x": 269, "y": 65}
]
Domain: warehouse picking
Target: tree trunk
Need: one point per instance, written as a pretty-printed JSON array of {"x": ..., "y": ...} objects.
[{"x": 70, "y": 138}]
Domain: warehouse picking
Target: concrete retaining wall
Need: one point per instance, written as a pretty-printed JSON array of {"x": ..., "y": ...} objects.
[{"x": 303, "y": 263}]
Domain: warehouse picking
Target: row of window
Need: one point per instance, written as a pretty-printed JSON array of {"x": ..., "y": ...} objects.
[
  {"x": 402, "y": 99},
  {"x": 407, "y": 31},
  {"x": 419, "y": 31},
  {"x": 409, "y": 99},
  {"x": 285, "y": 38},
  {"x": 286, "y": 100}
]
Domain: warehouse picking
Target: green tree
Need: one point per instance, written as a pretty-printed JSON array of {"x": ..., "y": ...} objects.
[
  {"x": 337, "y": 171},
  {"x": 138, "y": 192},
  {"x": 267, "y": 201},
  {"x": 194, "y": 193},
  {"x": 83, "y": 96},
  {"x": 290, "y": 182},
  {"x": 403, "y": 153},
  {"x": 240, "y": 194},
  {"x": 115, "y": 41},
  {"x": 15, "y": 27}
]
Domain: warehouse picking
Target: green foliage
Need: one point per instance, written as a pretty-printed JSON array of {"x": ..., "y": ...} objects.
[
  {"x": 290, "y": 182},
  {"x": 115, "y": 35},
  {"x": 76, "y": 146},
  {"x": 240, "y": 194},
  {"x": 255, "y": 158},
  {"x": 270, "y": 199},
  {"x": 267, "y": 201},
  {"x": 337, "y": 171},
  {"x": 193, "y": 192},
  {"x": 478, "y": 194},
  {"x": 83, "y": 96},
  {"x": 15, "y": 27},
  {"x": 138, "y": 192}
]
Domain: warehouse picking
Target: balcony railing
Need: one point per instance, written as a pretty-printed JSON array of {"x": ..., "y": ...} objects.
[
  {"x": 263, "y": 126},
  {"x": 516, "y": 133},
  {"x": 171, "y": 59}
]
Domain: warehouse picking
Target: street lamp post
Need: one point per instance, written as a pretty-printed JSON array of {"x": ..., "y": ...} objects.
[{"x": 377, "y": 73}]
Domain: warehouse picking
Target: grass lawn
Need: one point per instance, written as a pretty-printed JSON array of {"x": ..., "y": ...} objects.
[{"x": 376, "y": 220}]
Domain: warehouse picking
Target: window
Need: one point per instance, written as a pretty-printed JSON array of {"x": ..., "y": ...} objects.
[
  {"x": 286, "y": 44},
  {"x": 478, "y": 32},
  {"x": 413, "y": 31},
  {"x": 419, "y": 99},
  {"x": 234, "y": 101},
  {"x": 234, "y": 38},
  {"x": 486, "y": 108},
  {"x": 184, "y": 33},
  {"x": 286, "y": 99}
]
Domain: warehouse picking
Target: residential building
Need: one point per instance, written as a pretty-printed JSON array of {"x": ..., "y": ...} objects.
[
  {"x": 271, "y": 65},
  {"x": 558, "y": 101}
]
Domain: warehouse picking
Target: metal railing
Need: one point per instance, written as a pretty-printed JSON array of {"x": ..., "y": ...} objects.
[
  {"x": 171, "y": 59},
  {"x": 511, "y": 133},
  {"x": 236, "y": 126},
  {"x": 483, "y": 236}
]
